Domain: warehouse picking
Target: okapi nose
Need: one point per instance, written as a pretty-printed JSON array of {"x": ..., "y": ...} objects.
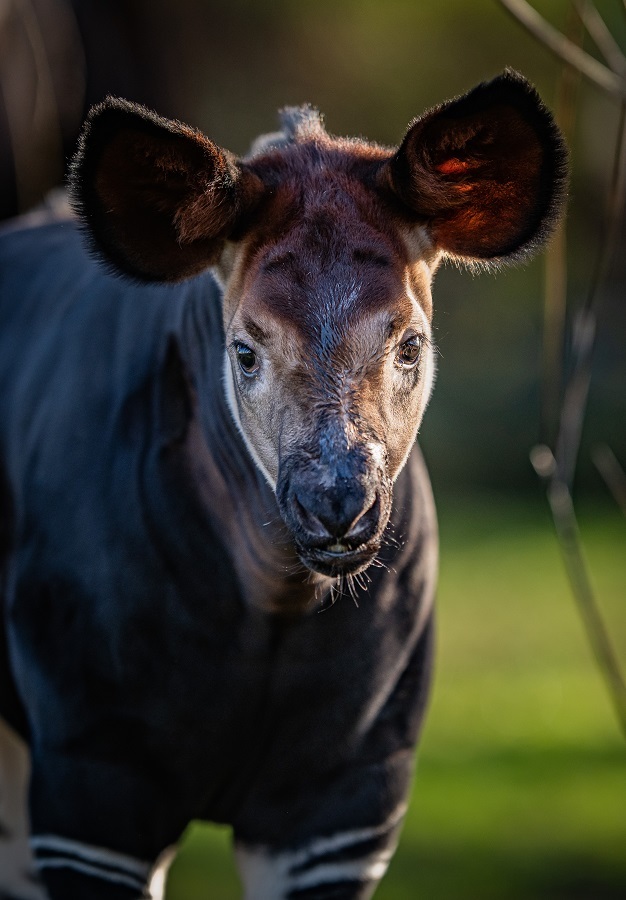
[{"x": 328, "y": 514}]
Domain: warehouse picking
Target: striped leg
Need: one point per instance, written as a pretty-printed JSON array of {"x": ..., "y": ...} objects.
[
  {"x": 117, "y": 872},
  {"x": 18, "y": 880},
  {"x": 106, "y": 873},
  {"x": 96, "y": 830},
  {"x": 344, "y": 866}
]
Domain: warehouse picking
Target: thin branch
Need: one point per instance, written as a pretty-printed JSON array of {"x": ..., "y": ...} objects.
[
  {"x": 558, "y": 44},
  {"x": 601, "y": 36},
  {"x": 613, "y": 474},
  {"x": 555, "y": 272},
  {"x": 558, "y": 469},
  {"x": 568, "y": 534},
  {"x": 577, "y": 388}
]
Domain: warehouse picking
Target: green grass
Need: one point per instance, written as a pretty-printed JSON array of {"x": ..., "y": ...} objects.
[{"x": 520, "y": 791}]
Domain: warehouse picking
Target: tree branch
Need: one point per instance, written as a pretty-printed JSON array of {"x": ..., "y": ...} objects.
[
  {"x": 601, "y": 36},
  {"x": 566, "y": 525},
  {"x": 558, "y": 44}
]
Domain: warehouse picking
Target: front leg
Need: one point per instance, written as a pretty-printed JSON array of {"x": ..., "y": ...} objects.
[
  {"x": 331, "y": 837},
  {"x": 345, "y": 865},
  {"x": 76, "y": 869},
  {"x": 99, "y": 828}
]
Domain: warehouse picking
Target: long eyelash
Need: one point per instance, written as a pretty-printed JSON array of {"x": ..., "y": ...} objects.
[{"x": 433, "y": 346}]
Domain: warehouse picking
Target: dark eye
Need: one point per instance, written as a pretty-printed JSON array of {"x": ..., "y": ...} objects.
[
  {"x": 247, "y": 359},
  {"x": 409, "y": 352}
]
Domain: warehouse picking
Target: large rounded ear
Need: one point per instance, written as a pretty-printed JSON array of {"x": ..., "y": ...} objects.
[
  {"x": 486, "y": 172},
  {"x": 158, "y": 197}
]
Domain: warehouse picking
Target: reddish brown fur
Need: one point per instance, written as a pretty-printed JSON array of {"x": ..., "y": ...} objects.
[
  {"x": 483, "y": 173},
  {"x": 324, "y": 215}
]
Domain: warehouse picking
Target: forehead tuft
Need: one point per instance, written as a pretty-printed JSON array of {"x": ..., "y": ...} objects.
[
  {"x": 298, "y": 124},
  {"x": 302, "y": 122}
]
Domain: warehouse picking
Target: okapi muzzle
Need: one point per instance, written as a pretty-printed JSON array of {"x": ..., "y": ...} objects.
[{"x": 336, "y": 501}]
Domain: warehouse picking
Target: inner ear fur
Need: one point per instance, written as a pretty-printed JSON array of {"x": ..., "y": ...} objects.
[
  {"x": 158, "y": 197},
  {"x": 487, "y": 172}
]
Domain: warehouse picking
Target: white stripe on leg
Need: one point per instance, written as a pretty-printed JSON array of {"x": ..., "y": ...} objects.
[
  {"x": 324, "y": 861},
  {"x": 56, "y": 852}
]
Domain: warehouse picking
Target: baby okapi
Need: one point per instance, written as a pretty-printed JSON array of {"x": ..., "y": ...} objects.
[{"x": 198, "y": 458}]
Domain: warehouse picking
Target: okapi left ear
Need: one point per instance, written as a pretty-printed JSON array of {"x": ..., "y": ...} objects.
[
  {"x": 159, "y": 198},
  {"x": 486, "y": 172}
]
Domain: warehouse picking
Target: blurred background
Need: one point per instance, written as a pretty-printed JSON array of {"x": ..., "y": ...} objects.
[{"x": 521, "y": 784}]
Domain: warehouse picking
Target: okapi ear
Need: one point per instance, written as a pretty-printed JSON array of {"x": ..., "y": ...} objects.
[
  {"x": 159, "y": 198},
  {"x": 487, "y": 172}
]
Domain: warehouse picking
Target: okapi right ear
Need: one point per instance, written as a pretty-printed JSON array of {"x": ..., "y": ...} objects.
[
  {"x": 486, "y": 173},
  {"x": 159, "y": 198}
]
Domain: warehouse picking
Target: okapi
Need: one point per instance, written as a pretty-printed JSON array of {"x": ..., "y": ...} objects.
[{"x": 198, "y": 445}]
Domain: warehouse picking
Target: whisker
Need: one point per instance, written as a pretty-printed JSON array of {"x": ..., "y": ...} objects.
[
  {"x": 332, "y": 597},
  {"x": 352, "y": 590},
  {"x": 363, "y": 579}
]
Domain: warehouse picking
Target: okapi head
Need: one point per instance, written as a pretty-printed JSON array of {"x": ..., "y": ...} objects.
[{"x": 326, "y": 248}]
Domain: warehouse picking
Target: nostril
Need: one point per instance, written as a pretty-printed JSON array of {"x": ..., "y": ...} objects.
[
  {"x": 309, "y": 521},
  {"x": 364, "y": 521},
  {"x": 323, "y": 517}
]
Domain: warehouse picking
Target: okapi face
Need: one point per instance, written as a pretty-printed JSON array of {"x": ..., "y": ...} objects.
[
  {"x": 326, "y": 249},
  {"x": 327, "y": 320}
]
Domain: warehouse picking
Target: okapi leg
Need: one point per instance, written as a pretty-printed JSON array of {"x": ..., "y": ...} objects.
[
  {"x": 346, "y": 865},
  {"x": 18, "y": 880},
  {"x": 98, "y": 828}
]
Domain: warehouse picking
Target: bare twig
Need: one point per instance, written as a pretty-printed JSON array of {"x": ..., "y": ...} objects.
[
  {"x": 554, "y": 310},
  {"x": 558, "y": 44},
  {"x": 601, "y": 36},
  {"x": 561, "y": 474},
  {"x": 613, "y": 474},
  {"x": 555, "y": 299},
  {"x": 568, "y": 534},
  {"x": 558, "y": 469},
  {"x": 577, "y": 388}
]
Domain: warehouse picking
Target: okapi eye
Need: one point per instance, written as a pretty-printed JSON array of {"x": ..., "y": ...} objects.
[
  {"x": 247, "y": 360},
  {"x": 409, "y": 353}
]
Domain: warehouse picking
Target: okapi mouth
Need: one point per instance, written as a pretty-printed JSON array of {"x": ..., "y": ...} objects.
[{"x": 335, "y": 563}]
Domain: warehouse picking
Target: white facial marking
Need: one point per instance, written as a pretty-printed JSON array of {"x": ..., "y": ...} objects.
[
  {"x": 427, "y": 364},
  {"x": 428, "y": 378},
  {"x": 377, "y": 453},
  {"x": 421, "y": 248},
  {"x": 231, "y": 400}
]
